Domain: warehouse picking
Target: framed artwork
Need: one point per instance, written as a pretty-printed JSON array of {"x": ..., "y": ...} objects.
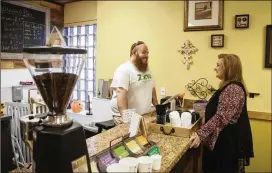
[
  {"x": 242, "y": 21},
  {"x": 217, "y": 40},
  {"x": 203, "y": 15},
  {"x": 268, "y": 47}
]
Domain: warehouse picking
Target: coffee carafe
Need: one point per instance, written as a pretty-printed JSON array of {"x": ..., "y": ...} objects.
[{"x": 59, "y": 144}]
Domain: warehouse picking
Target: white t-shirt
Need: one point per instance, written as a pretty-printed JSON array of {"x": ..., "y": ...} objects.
[{"x": 139, "y": 87}]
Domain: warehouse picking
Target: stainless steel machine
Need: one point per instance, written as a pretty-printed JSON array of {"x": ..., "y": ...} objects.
[{"x": 59, "y": 144}]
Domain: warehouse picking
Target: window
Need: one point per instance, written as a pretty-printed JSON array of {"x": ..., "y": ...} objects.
[{"x": 82, "y": 37}]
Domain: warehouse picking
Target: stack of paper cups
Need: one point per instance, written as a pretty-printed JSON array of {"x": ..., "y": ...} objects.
[
  {"x": 145, "y": 164},
  {"x": 186, "y": 119},
  {"x": 156, "y": 161},
  {"x": 131, "y": 162}
]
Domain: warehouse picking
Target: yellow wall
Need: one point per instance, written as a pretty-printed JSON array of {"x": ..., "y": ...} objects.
[
  {"x": 83, "y": 12},
  {"x": 261, "y": 132},
  {"x": 160, "y": 25}
]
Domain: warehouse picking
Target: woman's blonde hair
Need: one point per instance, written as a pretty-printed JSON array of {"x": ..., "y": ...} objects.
[{"x": 232, "y": 69}]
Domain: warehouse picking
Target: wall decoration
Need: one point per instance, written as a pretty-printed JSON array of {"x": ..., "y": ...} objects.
[
  {"x": 187, "y": 50},
  {"x": 217, "y": 40},
  {"x": 203, "y": 15},
  {"x": 200, "y": 88},
  {"x": 242, "y": 21},
  {"x": 268, "y": 47}
]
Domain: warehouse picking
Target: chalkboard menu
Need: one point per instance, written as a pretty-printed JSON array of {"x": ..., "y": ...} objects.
[{"x": 21, "y": 27}]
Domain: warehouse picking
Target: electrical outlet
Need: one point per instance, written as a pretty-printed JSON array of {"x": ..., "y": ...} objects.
[{"x": 163, "y": 92}]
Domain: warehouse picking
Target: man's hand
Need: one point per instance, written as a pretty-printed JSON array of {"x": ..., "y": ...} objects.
[
  {"x": 122, "y": 100},
  {"x": 154, "y": 97}
]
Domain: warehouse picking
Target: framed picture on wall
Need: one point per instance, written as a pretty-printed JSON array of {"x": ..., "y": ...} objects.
[
  {"x": 242, "y": 21},
  {"x": 217, "y": 40},
  {"x": 203, "y": 15},
  {"x": 268, "y": 47}
]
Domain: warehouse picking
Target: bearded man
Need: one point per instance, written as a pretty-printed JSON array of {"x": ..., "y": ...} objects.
[{"x": 133, "y": 84}]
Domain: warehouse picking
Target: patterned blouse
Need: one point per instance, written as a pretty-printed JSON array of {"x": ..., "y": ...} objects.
[{"x": 230, "y": 105}]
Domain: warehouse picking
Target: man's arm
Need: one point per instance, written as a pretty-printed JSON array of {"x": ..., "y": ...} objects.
[
  {"x": 154, "y": 97},
  {"x": 122, "y": 100}
]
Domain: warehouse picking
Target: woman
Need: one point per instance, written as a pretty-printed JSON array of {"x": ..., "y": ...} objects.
[{"x": 226, "y": 135}]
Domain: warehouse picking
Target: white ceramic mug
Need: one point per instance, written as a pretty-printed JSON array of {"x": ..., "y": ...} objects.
[
  {"x": 186, "y": 119},
  {"x": 117, "y": 167},
  {"x": 145, "y": 164},
  {"x": 175, "y": 119},
  {"x": 156, "y": 161},
  {"x": 131, "y": 162}
]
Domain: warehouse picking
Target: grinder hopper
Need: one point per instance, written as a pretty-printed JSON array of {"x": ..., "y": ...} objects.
[{"x": 54, "y": 81}]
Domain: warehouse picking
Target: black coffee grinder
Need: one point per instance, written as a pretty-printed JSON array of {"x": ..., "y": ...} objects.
[{"x": 59, "y": 144}]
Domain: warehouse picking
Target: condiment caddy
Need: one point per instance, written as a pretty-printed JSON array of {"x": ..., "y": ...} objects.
[{"x": 127, "y": 147}]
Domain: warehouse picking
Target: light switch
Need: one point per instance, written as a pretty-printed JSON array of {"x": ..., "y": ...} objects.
[{"x": 163, "y": 91}]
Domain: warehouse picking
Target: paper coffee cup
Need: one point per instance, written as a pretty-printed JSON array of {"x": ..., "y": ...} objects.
[
  {"x": 145, "y": 164},
  {"x": 186, "y": 119},
  {"x": 131, "y": 162},
  {"x": 156, "y": 161},
  {"x": 117, "y": 167},
  {"x": 175, "y": 119}
]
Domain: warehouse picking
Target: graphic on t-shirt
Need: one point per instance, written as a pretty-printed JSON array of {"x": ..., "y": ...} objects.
[{"x": 144, "y": 76}]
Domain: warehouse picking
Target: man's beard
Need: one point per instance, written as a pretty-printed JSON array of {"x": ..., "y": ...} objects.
[{"x": 141, "y": 66}]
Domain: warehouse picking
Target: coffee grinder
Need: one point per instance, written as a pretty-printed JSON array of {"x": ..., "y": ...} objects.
[{"x": 59, "y": 144}]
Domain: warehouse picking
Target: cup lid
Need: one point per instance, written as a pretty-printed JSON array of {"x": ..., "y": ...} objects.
[
  {"x": 117, "y": 167},
  {"x": 145, "y": 159},
  {"x": 156, "y": 157},
  {"x": 129, "y": 161}
]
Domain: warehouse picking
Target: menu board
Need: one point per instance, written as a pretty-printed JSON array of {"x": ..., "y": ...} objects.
[{"x": 21, "y": 26}]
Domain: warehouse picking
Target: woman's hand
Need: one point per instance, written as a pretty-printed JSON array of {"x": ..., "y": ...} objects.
[{"x": 194, "y": 140}]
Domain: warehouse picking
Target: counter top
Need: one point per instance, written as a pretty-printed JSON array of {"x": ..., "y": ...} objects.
[
  {"x": 101, "y": 141},
  {"x": 172, "y": 148}
]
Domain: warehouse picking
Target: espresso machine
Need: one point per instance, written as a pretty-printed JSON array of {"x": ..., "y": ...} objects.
[{"x": 59, "y": 144}]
